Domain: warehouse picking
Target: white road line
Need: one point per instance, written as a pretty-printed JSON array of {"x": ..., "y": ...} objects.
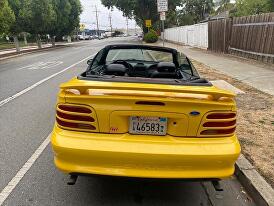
[
  {"x": 31, "y": 65},
  {"x": 20, "y": 174},
  {"x": 5, "y": 101},
  {"x": 4, "y": 194}
]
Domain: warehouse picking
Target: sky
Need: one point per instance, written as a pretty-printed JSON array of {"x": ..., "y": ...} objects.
[{"x": 88, "y": 17}]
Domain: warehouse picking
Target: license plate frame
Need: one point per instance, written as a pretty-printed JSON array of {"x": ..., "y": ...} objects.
[{"x": 143, "y": 125}]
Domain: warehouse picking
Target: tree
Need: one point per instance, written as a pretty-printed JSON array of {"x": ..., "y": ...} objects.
[
  {"x": 67, "y": 18},
  {"x": 252, "y": 7},
  {"x": 6, "y": 16},
  {"x": 42, "y": 16},
  {"x": 271, "y": 4},
  {"x": 22, "y": 14},
  {"x": 224, "y": 5},
  {"x": 185, "y": 19},
  {"x": 141, "y": 10},
  {"x": 197, "y": 9},
  {"x": 74, "y": 16}
]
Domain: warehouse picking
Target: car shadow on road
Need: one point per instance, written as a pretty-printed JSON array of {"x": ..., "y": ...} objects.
[{"x": 127, "y": 191}]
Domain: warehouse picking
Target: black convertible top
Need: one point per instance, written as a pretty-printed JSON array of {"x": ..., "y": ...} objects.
[
  {"x": 159, "y": 72},
  {"x": 140, "y": 46},
  {"x": 174, "y": 52}
]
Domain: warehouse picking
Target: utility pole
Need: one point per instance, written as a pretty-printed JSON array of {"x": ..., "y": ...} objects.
[
  {"x": 163, "y": 27},
  {"x": 127, "y": 26},
  {"x": 110, "y": 22},
  {"x": 97, "y": 21}
]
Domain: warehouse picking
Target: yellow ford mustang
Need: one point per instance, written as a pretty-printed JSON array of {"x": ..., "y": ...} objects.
[{"x": 143, "y": 111}]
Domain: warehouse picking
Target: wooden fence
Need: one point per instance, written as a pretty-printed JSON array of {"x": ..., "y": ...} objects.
[
  {"x": 250, "y": 36},
  {"x": 219, "y": 34}
]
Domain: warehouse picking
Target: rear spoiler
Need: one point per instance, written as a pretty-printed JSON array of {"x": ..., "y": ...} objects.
[{"x": 96, "y": 88}]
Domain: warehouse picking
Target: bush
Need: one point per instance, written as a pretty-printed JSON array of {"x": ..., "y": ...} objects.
[{"x": 151, "y": 37}]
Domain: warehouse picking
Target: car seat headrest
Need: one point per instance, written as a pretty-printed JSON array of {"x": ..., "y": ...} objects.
[
  {"x": 166, "y": 67},
  {"x": 115, "y": 69}
]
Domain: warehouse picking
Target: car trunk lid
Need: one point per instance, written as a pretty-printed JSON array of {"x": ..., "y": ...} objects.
[{"x": 114, "y": 103}]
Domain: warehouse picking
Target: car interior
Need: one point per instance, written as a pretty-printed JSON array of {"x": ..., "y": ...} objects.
[
  {"x": 155, "y": 70},
  {"x": 131, "y": 69}
]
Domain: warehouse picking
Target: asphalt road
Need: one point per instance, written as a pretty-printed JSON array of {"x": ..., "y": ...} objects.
[{"x": 26, "y": 120}]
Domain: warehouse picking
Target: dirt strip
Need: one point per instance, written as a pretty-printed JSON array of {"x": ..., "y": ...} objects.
[{"x": 255, "y": 122}]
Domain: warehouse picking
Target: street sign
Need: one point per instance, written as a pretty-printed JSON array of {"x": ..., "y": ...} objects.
[
  {"x": 148, "y": 23},
  {"x": 82, "y": 27},
  {"x": 162, "y": 5},
  {"x": 162, "y": 16}
]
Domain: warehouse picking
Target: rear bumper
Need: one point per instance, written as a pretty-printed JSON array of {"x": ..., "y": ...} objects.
[{"x": 144, "y": 156}]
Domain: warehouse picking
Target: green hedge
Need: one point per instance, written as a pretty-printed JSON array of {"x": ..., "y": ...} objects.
[{"x": 151, "y": 36}]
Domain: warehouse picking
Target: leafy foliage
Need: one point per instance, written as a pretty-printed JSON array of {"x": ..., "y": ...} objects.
[
  {"x": 225, "y": 5},
  {"x": 197, "y": 9},
  {"x": 151, "y": 36},
  {"x": 141, "y": 10},
  {"x": 6, "y": 16},
  {"x": 22, "y": 12},
  {"x": 67, "y": 17},
  {"x": 252, "y": 7},
  {"x": 42, "y": 16}
]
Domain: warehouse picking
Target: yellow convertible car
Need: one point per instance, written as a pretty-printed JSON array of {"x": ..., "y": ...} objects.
[{"x": 144, "y": 111}]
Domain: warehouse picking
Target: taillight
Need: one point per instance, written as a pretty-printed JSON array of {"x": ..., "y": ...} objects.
[
  {"x": 221, "y": 116},
  {"x": 218, "y": 124},
  {"x": 76, "y": 117},
  {"x": 74, "y": 108}
]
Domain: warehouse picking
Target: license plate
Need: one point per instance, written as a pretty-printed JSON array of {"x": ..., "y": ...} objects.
[{"x": 148, "y": 125}]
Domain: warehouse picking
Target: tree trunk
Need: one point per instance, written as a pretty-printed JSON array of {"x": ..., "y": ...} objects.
[
  {"x": 69, "y": 39},
  {"x": 25, "y": 39},
  {"x": 52, "y": 39},
  {"x": 16, "y": 42},
  {"x": 39, "y": 43}
]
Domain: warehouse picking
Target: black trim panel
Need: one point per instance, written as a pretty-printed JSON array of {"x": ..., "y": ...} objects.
[{"x": 109, "y": 78}]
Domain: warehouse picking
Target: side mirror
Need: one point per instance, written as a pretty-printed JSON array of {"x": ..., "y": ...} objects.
[{"x": 89, "y": 61}]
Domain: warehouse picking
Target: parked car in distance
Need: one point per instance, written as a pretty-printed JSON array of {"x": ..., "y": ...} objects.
[
  {"x": 144, "y": 111},
  {"x": 91, "y": 37},
  {"x": 80, "y": 37}
]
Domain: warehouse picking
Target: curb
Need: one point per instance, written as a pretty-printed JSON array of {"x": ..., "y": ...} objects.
[
  {"x": 14, "y": 54},
  {"x": 261, "y": 192},
  {"x": 256, "y": 186}
]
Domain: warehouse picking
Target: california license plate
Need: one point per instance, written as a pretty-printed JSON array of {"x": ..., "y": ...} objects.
[{"x": 148, "y": 125}]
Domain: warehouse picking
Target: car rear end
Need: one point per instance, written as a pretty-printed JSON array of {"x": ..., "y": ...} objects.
[{"x": 145, "y": 130}]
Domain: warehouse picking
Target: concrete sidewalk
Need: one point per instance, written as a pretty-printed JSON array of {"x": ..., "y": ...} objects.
[
  {"x": 26, "y": 48},
  {"x": 256, "y": 75},
  {"x": 12, "y": 51}
]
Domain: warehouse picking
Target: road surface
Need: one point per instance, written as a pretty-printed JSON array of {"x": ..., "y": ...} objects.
[{"x": 28, "y": 88}]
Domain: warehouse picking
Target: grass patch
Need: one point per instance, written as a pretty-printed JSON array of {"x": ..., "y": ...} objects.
[
  {"x": 254, "y": 122},
  {"x": 6, "y": 45}
]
